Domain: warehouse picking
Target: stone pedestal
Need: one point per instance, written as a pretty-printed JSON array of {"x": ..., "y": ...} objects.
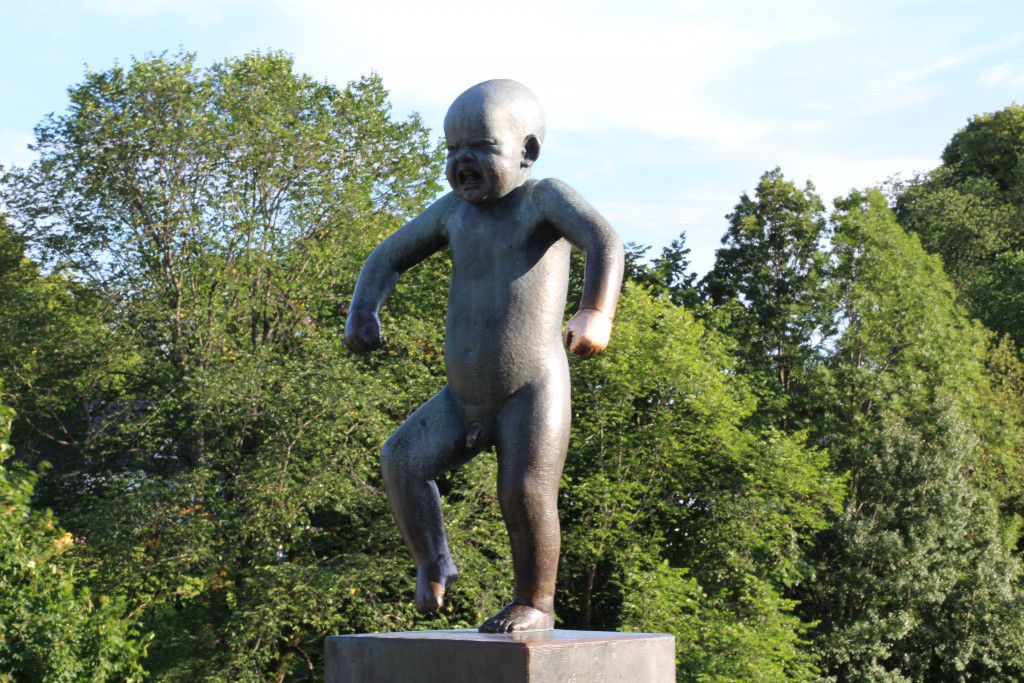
[{"x": 472, "y": 657}]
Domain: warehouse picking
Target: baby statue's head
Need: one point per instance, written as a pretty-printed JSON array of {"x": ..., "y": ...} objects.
[{"x": 494, "y": 131}]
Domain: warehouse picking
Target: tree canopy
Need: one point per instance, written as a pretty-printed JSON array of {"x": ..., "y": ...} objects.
[
  {"x": 806, "y": 466},
  {"x": 970, "y": 211}
]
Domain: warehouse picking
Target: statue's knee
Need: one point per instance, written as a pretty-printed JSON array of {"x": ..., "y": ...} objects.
[
  {"x": 398, "y": 462},
  {"x": 532, "y": 494},
  {"x": 391, "y": 460},
  {"x": 513, "y": 496}
]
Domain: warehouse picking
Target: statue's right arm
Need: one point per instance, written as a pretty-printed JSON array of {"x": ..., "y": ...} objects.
[{"x": 407, "y": 246}]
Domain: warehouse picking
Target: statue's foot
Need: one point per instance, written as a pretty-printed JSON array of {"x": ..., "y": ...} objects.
[
  {"x": 515, "y": 617},
  {"x": 431, "y": 584}
]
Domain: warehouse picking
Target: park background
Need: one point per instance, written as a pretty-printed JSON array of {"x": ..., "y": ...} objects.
[{"x": 801, "y": 454}]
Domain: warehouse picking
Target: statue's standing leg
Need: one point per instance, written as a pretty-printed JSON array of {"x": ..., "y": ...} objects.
[
  {"x": 430, "y": 442},
  {"x": 532, "y": 439}
]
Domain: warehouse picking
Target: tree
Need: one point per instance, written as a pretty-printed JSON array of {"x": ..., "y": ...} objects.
[
  {"x": 970, "y": 211},
  {"x": 679, "y": 517},
  {"x": 668, "y": 275},
  {"x": 772, "y": 269},
  {"x": 205, "y": 206},
  {"x": 55, "y": 349},
  {"x": 990, "y": 146},
  {"x": 51, "y": 627},
  {"x": 228, "y": 486},
  {"x": 174, "y": 349},
  {"x": 918, "y": 580}
]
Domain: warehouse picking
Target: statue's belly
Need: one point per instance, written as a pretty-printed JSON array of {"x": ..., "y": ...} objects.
[
  {"x": 497, "y": 341},
  {"x": 504, "y": 322}
]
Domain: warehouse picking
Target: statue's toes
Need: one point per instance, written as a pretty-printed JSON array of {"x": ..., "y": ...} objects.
[
  {"x": 431, "y": 599},
  {"x": 427, "y": 606}
]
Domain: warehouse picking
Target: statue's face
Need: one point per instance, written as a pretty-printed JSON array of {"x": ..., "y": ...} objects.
[{"x": 486, "y": 157}]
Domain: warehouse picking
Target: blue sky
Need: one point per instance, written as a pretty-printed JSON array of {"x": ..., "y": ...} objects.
[{"x": 660, "y": 113}]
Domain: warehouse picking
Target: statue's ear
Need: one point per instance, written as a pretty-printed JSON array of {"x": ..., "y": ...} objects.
[{"x": 531, "y": 150}]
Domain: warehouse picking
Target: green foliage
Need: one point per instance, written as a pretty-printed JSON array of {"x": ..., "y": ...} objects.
[
  {"x": 54, "y": 350},
  {"x": 816, "y": 475},
  {"x": 663, "y": 470},
  {"x": 770, "y": 278},
  {"x": 667, "y": 275},
  {"x": 918, "y": 579},
  {"x": 970, "y": 211},
  {"x": 229, "y": 486},
  {"x": 51, "y": 628},
  {"x": 990, "y": 146},
  {"x": 917, "y": 582}
]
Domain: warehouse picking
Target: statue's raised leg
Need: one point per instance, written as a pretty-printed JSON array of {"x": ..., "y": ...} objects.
[{"x": 429, "y": 443}]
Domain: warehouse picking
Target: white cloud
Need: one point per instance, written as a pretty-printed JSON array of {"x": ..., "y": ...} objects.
[
  {"x": 1007, "y": 73},
  {"x": 909, "y": 86},
  {"x": 834, "y": 175},
  {"x": 652, "y": 96},
  {"x": 597, "y": 66}
]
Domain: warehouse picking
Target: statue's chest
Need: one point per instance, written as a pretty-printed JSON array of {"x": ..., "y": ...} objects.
[{"x": 480, "y": 248}]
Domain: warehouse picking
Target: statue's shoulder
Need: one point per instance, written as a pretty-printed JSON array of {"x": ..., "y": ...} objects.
[
  {"x": 554, "y": 196},
  {"x": 445, "y": 205},
  {"x": 553, "y": 189},
  {"x": 441, "y": 211}
]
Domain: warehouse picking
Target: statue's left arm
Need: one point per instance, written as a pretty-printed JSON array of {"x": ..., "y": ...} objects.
[{"x": 572, "y": 217}]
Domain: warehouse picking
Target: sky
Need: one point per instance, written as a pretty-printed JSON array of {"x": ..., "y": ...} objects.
[{"x": 660, "y": 113}]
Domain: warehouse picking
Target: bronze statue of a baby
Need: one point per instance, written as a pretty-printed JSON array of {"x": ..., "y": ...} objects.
[{"x": 508, "y": 377}]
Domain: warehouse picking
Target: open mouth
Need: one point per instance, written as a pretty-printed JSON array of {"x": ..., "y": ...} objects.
[{"x": 468, "y": 179}]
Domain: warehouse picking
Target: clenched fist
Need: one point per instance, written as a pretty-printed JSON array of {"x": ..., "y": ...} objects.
[
  {"x": 588, "y": 332},
  {"x": 362, "y": 330}
]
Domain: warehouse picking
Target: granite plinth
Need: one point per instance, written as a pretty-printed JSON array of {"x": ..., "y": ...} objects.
[{"x": 472, "y": 657}]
